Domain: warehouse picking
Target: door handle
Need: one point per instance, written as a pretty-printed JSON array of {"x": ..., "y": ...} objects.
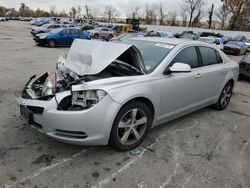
[
  {"x": 224, "y": 70},
  {"x": 198, "y": 76}
]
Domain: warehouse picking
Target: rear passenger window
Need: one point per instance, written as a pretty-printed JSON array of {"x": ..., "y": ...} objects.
[
  {"x": 210, "y": 56},
  {"x": 188, "y": 56}
]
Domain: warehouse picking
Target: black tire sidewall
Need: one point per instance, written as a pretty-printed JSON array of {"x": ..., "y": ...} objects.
[
  {"x": 114, "y": 140},
  {"x": 49, "y": 43}
]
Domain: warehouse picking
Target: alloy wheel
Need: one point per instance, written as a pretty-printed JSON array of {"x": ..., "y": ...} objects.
[
  {"x": 226, "y": 95},
  {"x": 132, "y": 126}
]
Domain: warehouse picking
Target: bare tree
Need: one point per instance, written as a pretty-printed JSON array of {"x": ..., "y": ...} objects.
[
  {"x": 110, "y": 13},
  {"x": 95, "y": 13},
  {"x": 184, "y": 19},
  {"x": 223, "y": 16},
  {"x": 78, "y": 11},
  {"x": 52, "y": 10},
  {"x": 173, "y": 16},
  {"x": 197, "y": 18},
  {"x": 72, "y": 12},
  {"x": 88, "y": 12},
  {"x": 237, "y": 8},
  {"x": 210, "y": 17},
  {"x": 150, "y": 14},
  {"x": 161, "y": 14},
  {"x": 135, "y": 13},
  {"x": 192, "y": 6}
]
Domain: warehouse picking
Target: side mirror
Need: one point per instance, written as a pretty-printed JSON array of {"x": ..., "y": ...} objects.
[{"x": 178, "y": 68}]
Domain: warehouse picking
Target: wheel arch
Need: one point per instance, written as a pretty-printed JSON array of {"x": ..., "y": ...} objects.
[{"x": 144, "y": 100}]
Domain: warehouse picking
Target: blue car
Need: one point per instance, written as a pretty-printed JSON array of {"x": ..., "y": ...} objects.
[
  {"x": 235, "y": 47},
  {"x": 60, "y": 37}
]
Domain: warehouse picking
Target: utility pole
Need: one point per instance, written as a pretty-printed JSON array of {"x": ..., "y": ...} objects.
[{"x": 210, "y": 17}]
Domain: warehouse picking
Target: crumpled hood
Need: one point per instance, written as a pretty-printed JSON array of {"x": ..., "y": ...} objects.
[{"x": 91, "y": 57}]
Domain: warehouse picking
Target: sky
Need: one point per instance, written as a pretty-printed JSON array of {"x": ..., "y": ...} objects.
[{"x": 123, "y": 6}]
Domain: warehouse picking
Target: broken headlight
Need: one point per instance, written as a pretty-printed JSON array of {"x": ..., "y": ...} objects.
[
  {"x": 87, "y": 98},
  {"x": 49, "y": 87}
]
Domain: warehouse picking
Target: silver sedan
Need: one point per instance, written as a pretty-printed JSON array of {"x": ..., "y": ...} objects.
[{"x": 113, "y": 93}]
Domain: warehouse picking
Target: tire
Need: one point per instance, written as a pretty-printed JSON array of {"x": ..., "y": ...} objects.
[
  {"x": 96, "y": 36},
  {"x": 110, "y": 37},
  {"x": 225, "y": 97},
  {"x": 126, "y": 132},
  {"x": 52, "y": 43}
]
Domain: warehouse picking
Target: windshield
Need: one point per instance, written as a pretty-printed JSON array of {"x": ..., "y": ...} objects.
[
  {"x": 45, "y": 25},
  {"x": 54, "y": 31},
  {"x": 152, "y": 52}
]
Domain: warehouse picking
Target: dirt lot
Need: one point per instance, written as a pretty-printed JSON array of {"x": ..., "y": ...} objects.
[{"x": 205, "y": 149}]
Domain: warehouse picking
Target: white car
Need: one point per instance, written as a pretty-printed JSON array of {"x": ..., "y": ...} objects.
[
  {"x": 113, "y": 93},
  {"x": 248, "y": 44},
  {"x": 2, "y": 19},
  {"x": 101, "y": 32},
  {"x": 212, "y": 40}
]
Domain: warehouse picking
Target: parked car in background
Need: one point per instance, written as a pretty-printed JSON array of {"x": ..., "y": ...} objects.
[
  {"x": 240, "y": 38},
  {"x": 235, "y": 47},
  {"x": 126, "y": 36},
  {"x": 179, "y": 35},
  {"x": 87, "y": 27},
  {"x": 2, "y": 19},
  {"x": 211, "y": 40},
  {"x": 157, "y": 34},
  {"x": 101, "y": 32},
  {"x": 189, "y": 35},
  {"x": 211, "y": 34},
  {"x": 116, "y": 94},
  {"x": 60, "y": 37},
  {"x": 46, "y": 28},
  {"x": 247, "y": 42},
  {"x": 245, "y": 67},
  {"x": 227, "y": 39}
]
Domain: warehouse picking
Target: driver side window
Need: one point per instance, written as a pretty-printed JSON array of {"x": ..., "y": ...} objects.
[{"x": 187, "y": 56}]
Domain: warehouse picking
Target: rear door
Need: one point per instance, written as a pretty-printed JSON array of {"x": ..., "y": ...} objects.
[{"x": 213, "y": 73}]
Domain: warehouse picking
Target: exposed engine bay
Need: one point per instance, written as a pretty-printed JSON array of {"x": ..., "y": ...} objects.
[{"x": 46, "y": 86}]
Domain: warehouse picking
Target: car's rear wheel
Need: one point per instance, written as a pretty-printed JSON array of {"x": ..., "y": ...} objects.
[
  {"x": 225, "y": 97},
  {"x": 131, "y": 126},
  {"x": 52, "y": 43}
]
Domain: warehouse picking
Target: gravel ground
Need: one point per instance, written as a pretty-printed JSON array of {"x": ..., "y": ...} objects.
[{"x": 207, "y": 148}]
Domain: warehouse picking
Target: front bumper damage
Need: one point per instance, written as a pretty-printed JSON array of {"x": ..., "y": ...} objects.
[{"x": 86, "y": 127}]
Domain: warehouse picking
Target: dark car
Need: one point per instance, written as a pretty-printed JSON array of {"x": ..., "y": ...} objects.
[
  {"x": 87, "y": 27},
  {"x": 211, "y": 34},
  {"x": 60, "y": 37},
  {"x": 235, "y": 48},
  {"x": 245, "y": 67}
]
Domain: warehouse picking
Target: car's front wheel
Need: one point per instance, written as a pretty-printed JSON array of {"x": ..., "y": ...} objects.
[
  {"x": 130, "y": 126},
  {"x": 52, "y": 43},
  {"x": 225, "y": 97}
]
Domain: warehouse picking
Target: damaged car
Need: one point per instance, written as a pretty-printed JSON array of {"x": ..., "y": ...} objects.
[{"x": 114, "y": 93}]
